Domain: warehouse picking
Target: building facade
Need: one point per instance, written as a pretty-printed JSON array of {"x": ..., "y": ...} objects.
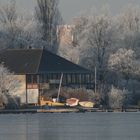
[{"x": 39, "y": 70}]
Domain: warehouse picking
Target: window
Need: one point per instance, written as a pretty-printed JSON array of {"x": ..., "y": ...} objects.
[{"x": 29, "y": 79}]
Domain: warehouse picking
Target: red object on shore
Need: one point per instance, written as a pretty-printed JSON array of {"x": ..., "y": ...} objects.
[{"x": 72, "y": 102}]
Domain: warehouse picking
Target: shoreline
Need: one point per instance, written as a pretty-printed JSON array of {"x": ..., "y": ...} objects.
[{"x": 65, "y": 110}]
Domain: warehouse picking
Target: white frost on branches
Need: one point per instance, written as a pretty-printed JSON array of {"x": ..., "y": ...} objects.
[
  {"x": 122, "y": 59},
  {"x": 8, "y": 83},
  {"x": 116, "y": 97}
]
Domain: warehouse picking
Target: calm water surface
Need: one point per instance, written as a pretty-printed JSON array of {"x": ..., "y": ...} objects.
[{"x": 71, "y": 126}]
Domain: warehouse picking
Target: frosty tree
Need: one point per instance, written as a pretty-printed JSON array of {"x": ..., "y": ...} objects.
[
  {"x": 123, "y": 61},
  {"x": 129, "y": 26},
  {"x": 16, "y": 31},
  {"x": 48, "y": 17},
  {"x": 8, "y": 83},
  {"x": 96, "y": 37}
]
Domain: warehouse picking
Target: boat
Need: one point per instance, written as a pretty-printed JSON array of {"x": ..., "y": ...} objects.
[
  {"x": 54, "y": 104},
  {"x": 50, "y": 103},
  {"x": 72, "y": 102},
  {"x": 87, "y": 104}
]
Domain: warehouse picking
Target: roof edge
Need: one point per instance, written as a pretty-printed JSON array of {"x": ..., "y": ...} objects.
[{"x": 39, "y": 60}]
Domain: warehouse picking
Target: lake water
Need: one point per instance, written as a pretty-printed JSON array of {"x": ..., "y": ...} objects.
[{"x": 70, "y": 126}]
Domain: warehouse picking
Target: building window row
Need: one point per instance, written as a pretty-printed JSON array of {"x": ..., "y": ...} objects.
[{"x": 67, "y": 78}]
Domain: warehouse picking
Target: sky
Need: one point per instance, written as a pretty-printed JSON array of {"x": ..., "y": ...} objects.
[{"x": 72, "y": 8}]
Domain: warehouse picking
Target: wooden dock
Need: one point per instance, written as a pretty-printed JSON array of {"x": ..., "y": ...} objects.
[
  {"x": 58, "y": 110},
  {"x": 24, "y": 111},
  {"x": 63, "y": 110}
]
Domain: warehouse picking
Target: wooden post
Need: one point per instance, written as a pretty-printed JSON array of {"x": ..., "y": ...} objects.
[
  {"x": 95, "y": 79},
  {"x": 26, "y": 90},
  {"x": 39, "y": 89}
]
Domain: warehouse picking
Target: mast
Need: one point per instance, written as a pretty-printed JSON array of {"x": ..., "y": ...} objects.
[{"x": 59, "y": 87}]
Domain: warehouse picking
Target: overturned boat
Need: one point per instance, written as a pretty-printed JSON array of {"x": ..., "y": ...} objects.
[
  {"x": 87, "y": 104},
  {"x": 72, "y": 102}
]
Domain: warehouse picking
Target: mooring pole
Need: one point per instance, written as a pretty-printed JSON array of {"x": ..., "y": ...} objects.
[
  {"x": 95, "y": 79},
  {"x": 26, "y": 90}
]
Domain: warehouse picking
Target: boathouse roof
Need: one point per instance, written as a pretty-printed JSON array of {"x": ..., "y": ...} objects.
[{"x": 35, "y": 61}]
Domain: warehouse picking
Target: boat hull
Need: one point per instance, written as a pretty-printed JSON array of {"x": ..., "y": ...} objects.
[
  {"x": 72, "y": 102},
  {"x": 86, "y": 104}
]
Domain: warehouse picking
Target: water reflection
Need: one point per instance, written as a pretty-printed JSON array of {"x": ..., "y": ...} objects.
[
  {"x": 72, "y": 126},
  {"x": 19, "y": 127}
]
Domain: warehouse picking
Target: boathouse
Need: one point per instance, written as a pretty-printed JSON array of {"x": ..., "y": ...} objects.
[{"x": 39, "y": 70}]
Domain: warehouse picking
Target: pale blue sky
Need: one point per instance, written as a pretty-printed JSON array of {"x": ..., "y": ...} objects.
[{"x": 71, "y": 8}]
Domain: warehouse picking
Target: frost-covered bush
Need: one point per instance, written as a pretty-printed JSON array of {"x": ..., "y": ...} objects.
[
  {"x": 116, "y": 97},
  {"x": 8, "y": 83}
]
